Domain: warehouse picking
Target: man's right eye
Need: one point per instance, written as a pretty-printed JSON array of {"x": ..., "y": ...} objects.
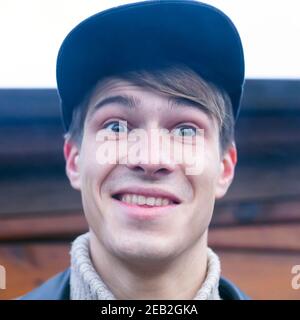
[{"x": 116, "y": 126}]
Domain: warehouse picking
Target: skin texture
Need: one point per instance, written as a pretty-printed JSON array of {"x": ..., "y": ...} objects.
[{"x": 163, "y": 258}]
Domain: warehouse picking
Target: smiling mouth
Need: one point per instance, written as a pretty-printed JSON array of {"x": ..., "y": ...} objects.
[{"x": 144, "y": 201}]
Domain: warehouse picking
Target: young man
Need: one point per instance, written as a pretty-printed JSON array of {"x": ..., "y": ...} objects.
[{"x": 176, "y": 66}]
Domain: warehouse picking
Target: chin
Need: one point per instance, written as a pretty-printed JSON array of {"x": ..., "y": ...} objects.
[{"x": 143, "y": 250}]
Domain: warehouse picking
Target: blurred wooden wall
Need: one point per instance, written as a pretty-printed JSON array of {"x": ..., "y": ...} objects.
[{"x": 255, "y": 228}]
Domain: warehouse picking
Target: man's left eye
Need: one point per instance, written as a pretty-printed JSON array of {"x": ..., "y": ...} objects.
[{"x": 185, "y": 131}]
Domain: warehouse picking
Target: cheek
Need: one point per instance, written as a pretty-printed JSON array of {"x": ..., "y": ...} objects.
[
  {"x": 93, "y": 172},
  {"x": 204, "y": 198},
  {"x": 205, "y": 183},
  {"x": 212, "y": 163},
  {"x": 93, "y": 176}
]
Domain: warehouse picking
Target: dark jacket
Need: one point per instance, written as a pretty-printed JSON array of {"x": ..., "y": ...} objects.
[{"x": 58, "y": 288}]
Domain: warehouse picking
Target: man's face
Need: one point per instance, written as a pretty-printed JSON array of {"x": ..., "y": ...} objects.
[{"x": 128, "y": 230}]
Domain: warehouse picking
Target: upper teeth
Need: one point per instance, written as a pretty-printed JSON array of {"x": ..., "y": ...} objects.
[{"x": 140, "y": 200}]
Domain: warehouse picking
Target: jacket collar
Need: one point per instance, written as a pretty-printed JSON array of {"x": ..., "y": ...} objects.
[{"x": 58, "y": 288}]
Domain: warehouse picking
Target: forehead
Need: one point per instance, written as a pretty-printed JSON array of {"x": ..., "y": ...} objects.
[{"x": 114, "y": 91}]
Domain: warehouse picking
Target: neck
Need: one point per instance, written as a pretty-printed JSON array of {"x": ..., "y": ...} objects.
[{"x": 180, "y": 278}]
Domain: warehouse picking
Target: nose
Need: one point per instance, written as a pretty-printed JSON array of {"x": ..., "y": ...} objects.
[
  {"x": 153, "y": 167},
  {"x": 152, "y": 170}
]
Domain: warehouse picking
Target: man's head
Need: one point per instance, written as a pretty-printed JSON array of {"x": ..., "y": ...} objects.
[
  {"x": 175, "y": 97},
  {"x": 102, "y": 186}
]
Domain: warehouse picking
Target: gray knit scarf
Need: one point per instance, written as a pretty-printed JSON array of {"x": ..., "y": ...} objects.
[{"x": 86, "y": 284}]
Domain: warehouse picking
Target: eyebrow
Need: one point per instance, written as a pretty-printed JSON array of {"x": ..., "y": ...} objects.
[{"x": 132, "y": 102}]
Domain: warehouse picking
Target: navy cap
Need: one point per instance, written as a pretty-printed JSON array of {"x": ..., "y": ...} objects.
[{"x": 150, "y": 34}]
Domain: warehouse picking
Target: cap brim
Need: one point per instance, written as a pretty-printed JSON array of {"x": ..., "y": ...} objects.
[{"x": 145, "y": 35}]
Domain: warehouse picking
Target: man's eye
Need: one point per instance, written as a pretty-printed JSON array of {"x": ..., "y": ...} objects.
[
  {"x": 116, "y": 126},
  {"x": 185, "y": 131}
]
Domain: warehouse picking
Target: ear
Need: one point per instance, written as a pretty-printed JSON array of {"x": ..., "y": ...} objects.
[
  {"x": 71, "y": 154},
  {"x": 227, "y": 167}
]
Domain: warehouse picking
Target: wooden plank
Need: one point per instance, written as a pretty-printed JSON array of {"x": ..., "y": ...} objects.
[
  {"x": 43, "y": 227},
  {"x": 29, "y": 265},
  {"x": 268, "y": 139},
  {"x": 261, "y": 275},
  {"x": 267, "y": 181},
  {"x": 256, "y": 212},
  {"x": 36, "y": 141},
  {"x": 263, "y": 95},
  {"x": 29, "y": 105},
  {"x": 43, "y": 192},
  {"x": 282, "y": 237}
]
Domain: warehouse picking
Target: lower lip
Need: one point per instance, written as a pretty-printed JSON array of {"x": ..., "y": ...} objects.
[{"x": 144, "y": 212}]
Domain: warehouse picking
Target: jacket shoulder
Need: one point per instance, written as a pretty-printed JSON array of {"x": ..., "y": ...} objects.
[
  {"x": 56, "y": 288},
  {"x": 229, "y": 291}
]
